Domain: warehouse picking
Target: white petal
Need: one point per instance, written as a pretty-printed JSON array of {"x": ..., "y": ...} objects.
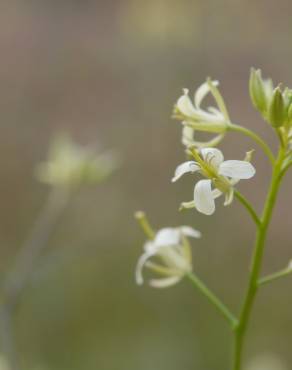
[
  {"x": 185, "y": 105},
  {"x": 237, "y": 169},
  {"x": 203, "y": 144},
  {"x": 187, "y": 205},
  {"x": 189, "y": 231},
  {"x": 187, "y": 136},
  {"x": 229, "y": 197},
  {"x": 213, "y": 156},
  {"x": 139, "y": 268},
  {"x": 203, "y": 197},
  {"x": 165, "y": 282},
  {"x": 216, "y": 193},
  {"x": 216, "y": 112},
  {"x": 150, "y": 247},
  {"x": 189, "y": 166},
  {"x": 167, "y": 237},
  {"x": 202, "y": 91}
]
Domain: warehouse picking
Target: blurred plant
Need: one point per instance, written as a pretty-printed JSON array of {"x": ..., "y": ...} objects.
[
  {"x": 70, "y": 165},
  {"x": 69, "y": 168},
  {"x": 266, "y": 361},
  {"x": 171, "y": 245},
  {"x": 4, "y": 363}
]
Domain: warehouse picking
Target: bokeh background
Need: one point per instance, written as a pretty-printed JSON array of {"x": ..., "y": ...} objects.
[{"x": 108, "y": 72}]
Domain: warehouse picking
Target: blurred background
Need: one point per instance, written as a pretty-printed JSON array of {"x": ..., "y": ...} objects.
[{"x": 108, "y": 72}]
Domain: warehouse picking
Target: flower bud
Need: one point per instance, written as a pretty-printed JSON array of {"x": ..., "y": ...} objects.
[
  {"x": 257, "y": 90},
  {"x": 277, "y": 113},
  {"x": 289, "y": 114}
]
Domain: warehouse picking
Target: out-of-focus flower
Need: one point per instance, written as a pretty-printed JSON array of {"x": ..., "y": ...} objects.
[
  {"x": 195, "y": 118},
  {"x": 266, "y": 361},
  {"x": 4, "y": 365},
  {"x": 172, "y": 250},
  {"x": 72, "y": 165},
  {"x": 223, "y": 175}
]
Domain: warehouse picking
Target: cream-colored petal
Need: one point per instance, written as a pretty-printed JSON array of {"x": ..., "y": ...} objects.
[
  {"x": 167, "y": 237},
  {"x": 165, "y": 282},
  {"x": 201, "y": 92},
  {"x": 186, "y": 167},
  {"x": 139, "y": 268},
  {"x": 190, "y": 232},
  {"x": 213, "y": 156},
  {"x": 216, "y": 193},
  {"x": 229, "y": 197},
  {"x": 187, "y": 136},
  {"x": 185, "y": 105},
  {"x": 203, "y": 197},
  {"x": 237, "y": 169}
]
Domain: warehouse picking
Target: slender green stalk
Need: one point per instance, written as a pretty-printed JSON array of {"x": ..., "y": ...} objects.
[
  {"x": 145, "y": 225},
  {"x": 275, "y": 276},
  {"x": 248, "y": 206},
  {"x": 256, "y": 138},
  {"x": 221, "y": 308},
  {"x": 286, "y": 168},
  {"x": 241, "y": 328},
  {"x": 19, "y": 276}
]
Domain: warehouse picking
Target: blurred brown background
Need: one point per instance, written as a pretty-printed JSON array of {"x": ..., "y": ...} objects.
[{"x": 109, "y": 72}]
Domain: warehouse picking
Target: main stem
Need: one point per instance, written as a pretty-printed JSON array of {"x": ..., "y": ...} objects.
[{"x": 241, "y": 328}]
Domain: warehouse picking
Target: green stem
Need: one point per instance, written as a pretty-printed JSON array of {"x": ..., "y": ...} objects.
[
  {"x": 285, "y": 168},
  {"x": 275, "y": 276},
  {"x": 19, "y": 276},
  {"x": 145, "y": 225},
  {"x": 248, "y": 206},
  {"x": 256, "y": 138},
  {"x": 221, "y": 308},
  {"x": 257, "y": 261}
]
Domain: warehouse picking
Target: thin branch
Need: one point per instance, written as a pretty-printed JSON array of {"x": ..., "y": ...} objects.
[
  {"x": 275, "y": 276},
  {"x": 285, "y": 169},
  {"x": 19, "y": 276},
  {"x": 213, "y": 299},
  {"x": 248, "y": 206},
  {"x": 256, "y": 138}
]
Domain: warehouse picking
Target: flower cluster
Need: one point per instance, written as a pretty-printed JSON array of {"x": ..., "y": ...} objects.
[{"x": 170, "y": 245}]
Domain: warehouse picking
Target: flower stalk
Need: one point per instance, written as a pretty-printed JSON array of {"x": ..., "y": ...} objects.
[
  {"x": 275, "y": 276},
  {"x": 213, "y": 299},
  {"x": 257, "y": 258},
  {"x": 245, "y": 131}
]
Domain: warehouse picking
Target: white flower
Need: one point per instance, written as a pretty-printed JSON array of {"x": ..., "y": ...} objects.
[
  {"x": 223, "y": 175},
  {"x": 194, "y": 118},
  {"x": 188, "y": 139},
  {"x": 171, "y": 247}
]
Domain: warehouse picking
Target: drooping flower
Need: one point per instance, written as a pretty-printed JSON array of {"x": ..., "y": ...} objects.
[
  {"x": 171, "y": 249},
  {"x": 221, "y": 176},
  {"x": 195, "y": 118}
]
